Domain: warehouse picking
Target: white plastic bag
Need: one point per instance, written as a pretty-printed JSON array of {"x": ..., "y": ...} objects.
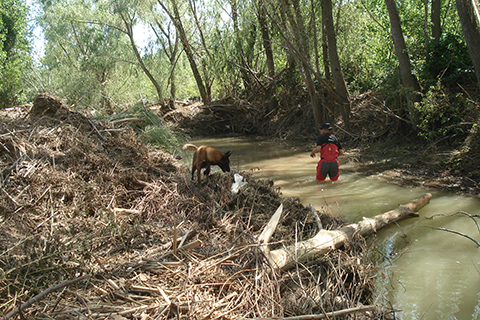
[{"x": 239, "y": 183}]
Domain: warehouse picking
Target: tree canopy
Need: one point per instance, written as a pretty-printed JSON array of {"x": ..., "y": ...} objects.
[
  {"x": 335, "y": 49},
  {"x": 13, "y": 49}
]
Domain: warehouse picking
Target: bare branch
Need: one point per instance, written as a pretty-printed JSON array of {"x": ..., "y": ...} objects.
[
  {"x": 459, "y": 233},
  {"x": 41, "y": 295}
]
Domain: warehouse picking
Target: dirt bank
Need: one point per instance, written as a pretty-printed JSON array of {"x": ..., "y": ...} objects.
[{"x": 415, "y": 167}]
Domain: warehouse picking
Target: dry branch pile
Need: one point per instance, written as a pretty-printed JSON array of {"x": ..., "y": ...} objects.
[
  {"x": 469, "y": 157},
  {"x": 289, "y": 118},
  {"x": 82, "y": 198},
  {"x": 228, "y": 116}
]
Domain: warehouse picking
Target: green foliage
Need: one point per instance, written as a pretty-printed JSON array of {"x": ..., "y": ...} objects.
[
  {"x": 88, "y": 61},
  {"x": 441, "y": 114},
  {"x": 157, "y": 134},
  {"x": 152, "y": 129},
  {"x": 161, "y": 136},
  {"x": 449, "y": 61},
  {"x": 13, "y": 49},
  {"x": 364, "y": 44}
]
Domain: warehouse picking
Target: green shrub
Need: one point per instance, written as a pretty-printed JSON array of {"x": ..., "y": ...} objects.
[
  {"x": 14, "y": 55},
  {"x": 448, "y": 60},
  {"x": 161, "y": 136},
  {"x": 151, "y": 128},
  {"x": 442, "y": 115}
]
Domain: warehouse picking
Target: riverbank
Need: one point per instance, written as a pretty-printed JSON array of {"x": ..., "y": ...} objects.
[
  {"x": 87, "y": 201},
  {"x": 374, "y": 140},
  {"x": 97, "y": 223},
  {"x": 418, "y": 167}
]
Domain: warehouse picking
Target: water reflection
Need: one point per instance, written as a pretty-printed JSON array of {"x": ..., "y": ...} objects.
[{"x": 429, "y": 274}]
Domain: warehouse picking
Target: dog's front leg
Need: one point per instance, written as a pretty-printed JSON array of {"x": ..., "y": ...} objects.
[{"x": 207, "y": 171}]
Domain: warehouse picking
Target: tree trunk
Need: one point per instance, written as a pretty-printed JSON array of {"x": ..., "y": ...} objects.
[
  {"x": 177, "y": 21},
  {"x": 326, "y": 63},
  {"x": 435, "y": 19},
  {"x": 304, "y": 45},
  {"x": 267, "y": 43},
  {"x": 338, "y": 79},
  {"x": 295, "y": 19},
  {"x": 313, "y": 27},
  {"x": 128, "y": 22},
  {"x": 280, "y": 19},
  {"x": 242, "y": 61},
  {"x": 425, "y": 28},
  {"x": 327, "y": 240},
  {"x": 408, "y": 79},
  {"x": 468, "y": 13},
  {"x": 171, "y": 51},
  {"x": 207, "y": 77}
]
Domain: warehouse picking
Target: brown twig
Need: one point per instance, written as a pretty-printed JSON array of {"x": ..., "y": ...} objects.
[
  {"x": 461, "y": 234},
  {"x": 41, "y": 295},
  {"x": 321, "y": 315}
]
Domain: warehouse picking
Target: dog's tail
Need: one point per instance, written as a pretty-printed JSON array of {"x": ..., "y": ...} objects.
[{"x": 189, "y": 147}]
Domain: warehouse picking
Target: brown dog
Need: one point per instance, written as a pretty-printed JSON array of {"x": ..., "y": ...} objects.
[{"x": 205, "y": 156}]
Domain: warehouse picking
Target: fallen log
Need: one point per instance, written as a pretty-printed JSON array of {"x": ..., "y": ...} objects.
[{"x": 327, "y": 240}]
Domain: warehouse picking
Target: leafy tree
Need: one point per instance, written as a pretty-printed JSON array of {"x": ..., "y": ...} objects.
[
  {"x": 14, "y": 52},
  {"x": 169, "y": 42},
  {"x": 409, "y": 80},
  {"x": 443, "y": 115},
  {"x": 127, "y": 11},
  {"x": 174, "y": 14},
  {"x": 449, "y": 61},
  {"x": 470, "y": 20},
  {"x": 82, "y": 57},
  {"x": 291, "y": 25},
  {"x": 234, "y": 47}
]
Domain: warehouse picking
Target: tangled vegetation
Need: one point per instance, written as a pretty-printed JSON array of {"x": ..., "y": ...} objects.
[{"x": 96, "y": 223}]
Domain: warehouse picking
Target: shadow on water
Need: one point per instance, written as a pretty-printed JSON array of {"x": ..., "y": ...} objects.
[{"x": 424, "y": 272}]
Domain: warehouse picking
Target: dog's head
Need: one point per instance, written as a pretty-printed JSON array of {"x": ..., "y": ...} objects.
[{"x": 224, "y": 163}]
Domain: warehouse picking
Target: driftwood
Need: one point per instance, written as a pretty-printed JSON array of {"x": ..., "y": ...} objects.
[
  {"x": 457, "y": 232},
  {"x": 327, "y": 240},
  {"x": 327, "y": 315}
]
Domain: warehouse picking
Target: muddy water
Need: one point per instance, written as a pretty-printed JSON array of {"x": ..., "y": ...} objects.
[{"x": 425, "y": 273}]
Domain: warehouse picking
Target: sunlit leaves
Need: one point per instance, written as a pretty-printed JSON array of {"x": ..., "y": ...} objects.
[
  {"x": 13, "y": 48},
  {"x": 86, "y": 41},
  {"x": 84, "y": 53}
]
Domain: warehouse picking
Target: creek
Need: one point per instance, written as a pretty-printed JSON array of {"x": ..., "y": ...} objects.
[{"x": 423, "y": 272}]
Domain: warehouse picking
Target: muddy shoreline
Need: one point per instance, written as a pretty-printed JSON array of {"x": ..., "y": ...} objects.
[
  {"x": 415, "y": 169},
  {"x": 402, "y": 166},
  {"x": 412, "y": 160}
]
